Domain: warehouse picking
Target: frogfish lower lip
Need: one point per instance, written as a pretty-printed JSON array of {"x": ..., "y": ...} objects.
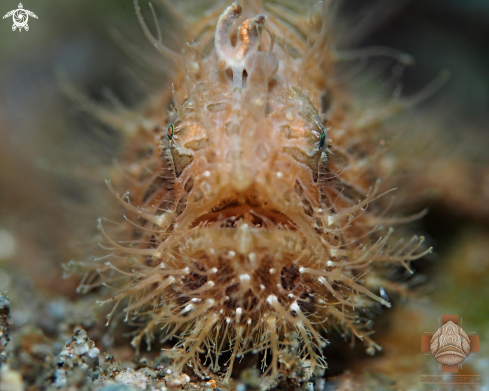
[
  {"x": 450, "y": 350},
  {"x": 450, "y": 355},
  {"x": 255, "y": 216}
]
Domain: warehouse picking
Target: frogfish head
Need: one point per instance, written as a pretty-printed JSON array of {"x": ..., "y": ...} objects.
[{"x": 450, "y": 345}]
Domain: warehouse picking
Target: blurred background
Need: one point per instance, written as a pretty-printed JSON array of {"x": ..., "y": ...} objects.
[{"x": 54, "y": 157}]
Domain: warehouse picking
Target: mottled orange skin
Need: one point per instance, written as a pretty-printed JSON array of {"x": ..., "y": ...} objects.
[{"x": 253, "y": 236}]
